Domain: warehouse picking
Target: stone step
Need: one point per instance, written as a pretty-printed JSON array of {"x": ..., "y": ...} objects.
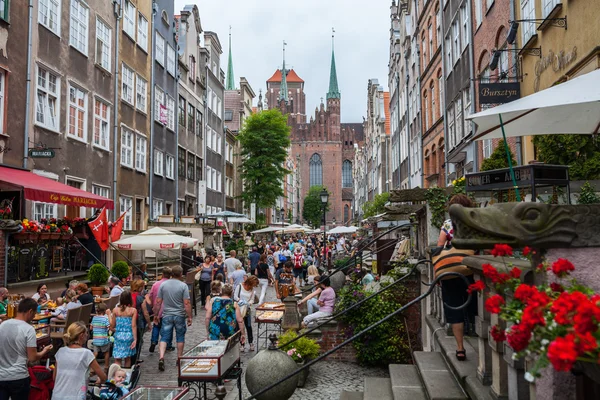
[
  {"x": 346, "y": 395},
  {"x": 378, "y": 388},
  {"x": 406, "y": 383},
  {"x": 461, "y": 369},
  {"x": 438, "y": 380}
]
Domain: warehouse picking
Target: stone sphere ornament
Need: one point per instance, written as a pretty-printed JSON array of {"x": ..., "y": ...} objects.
[
  {"x": 268, "y": 367},
  {"x": 337, "y": 280}
]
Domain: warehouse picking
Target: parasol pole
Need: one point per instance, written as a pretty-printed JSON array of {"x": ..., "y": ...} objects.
[{"x": 510, "y": 166}]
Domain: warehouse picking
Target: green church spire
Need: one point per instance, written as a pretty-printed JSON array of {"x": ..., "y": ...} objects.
[
  {"x": 334, "y": 91},
  {"x": 283, "y": 93},
  {"x": 230, "y": 84}
]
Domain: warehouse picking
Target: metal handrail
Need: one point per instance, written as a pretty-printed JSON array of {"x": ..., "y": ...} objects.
[
  {"x": 376, "y": 324},
  {"x": 353, "y": 306}
]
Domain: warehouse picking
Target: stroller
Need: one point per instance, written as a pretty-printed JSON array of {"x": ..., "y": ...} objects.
[
  {"x": 108, "y": 390},
  {"x": 42, "y": 382}
]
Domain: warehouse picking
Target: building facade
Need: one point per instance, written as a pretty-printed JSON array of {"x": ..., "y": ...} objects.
[
  {"x": 190, "y": 133},
  {"x": 377, "y": 139}
]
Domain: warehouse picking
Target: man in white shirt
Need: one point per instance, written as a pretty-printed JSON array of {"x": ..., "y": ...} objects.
[
  {"x": 232, "y": 262},
  {"x": 18, "y": 345},
  {"x": 116, "y": 287}
]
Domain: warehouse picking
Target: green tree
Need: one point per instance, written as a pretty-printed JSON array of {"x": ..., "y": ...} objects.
[
  {"x": 580, "y": 152},
  {"x": 264, "y": 139},
  {"x": 376, "y": 206},
  {"x": 312, "y": 211},
  {"x": 498, "y": 158},
  {"x": 588, "y": 195}
]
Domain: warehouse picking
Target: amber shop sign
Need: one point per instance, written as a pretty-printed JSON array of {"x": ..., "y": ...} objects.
[
  {"x": 499, "y": 93},
  {"x": 556, "y": 61}
]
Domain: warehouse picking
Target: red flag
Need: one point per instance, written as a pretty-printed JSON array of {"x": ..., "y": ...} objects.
[
  {"x": 117, "y": 228},
  {"x": 99, "y": 228}
]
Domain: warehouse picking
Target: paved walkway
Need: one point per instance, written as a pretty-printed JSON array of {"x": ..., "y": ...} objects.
[{"x": 326, "y": 381}]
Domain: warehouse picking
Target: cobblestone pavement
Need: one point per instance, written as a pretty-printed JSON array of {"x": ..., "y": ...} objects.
[{"x": 326, "y": 381}]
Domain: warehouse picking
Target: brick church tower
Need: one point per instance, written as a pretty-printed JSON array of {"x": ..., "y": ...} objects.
[{"x": 323, "y": 145}]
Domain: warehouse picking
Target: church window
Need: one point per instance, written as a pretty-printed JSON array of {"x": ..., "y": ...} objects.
[
  {"x": 347, "y": 174},
  {"x": 316, "y": 170}
]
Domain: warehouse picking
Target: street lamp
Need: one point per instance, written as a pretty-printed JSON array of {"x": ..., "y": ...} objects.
[
  {"x": 281, "y": 215},
  {"x": 324, "y": 200}
]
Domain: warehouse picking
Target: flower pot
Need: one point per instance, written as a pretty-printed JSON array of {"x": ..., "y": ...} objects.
[
  {"x": 97, "y": 290},
  {"x": 33, "y": 237},
  {"x": 45, "y": 235},
  {"x": 66, "y": 236},
  {"x": 21, "y": 236},
  {"x": 55, "y": 235},
  {"x": 302, "y": 376}
]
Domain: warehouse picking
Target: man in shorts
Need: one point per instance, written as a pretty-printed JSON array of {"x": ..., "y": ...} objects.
[{"x": 174, "y": 298}]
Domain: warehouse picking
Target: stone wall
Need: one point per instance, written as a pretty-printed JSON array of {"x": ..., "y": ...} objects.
[{"x": 331, "y": 335}]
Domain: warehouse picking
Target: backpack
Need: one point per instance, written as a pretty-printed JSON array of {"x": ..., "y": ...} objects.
[
  {"x": 282, "y": 258},
  {"x": 297, "y": 260}
]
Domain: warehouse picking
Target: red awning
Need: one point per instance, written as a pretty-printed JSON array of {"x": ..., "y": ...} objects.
[{"x": 38, "y": 188}]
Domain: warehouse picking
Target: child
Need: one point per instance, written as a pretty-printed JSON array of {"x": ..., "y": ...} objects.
[
  {"x": 116, "y": 386},
  {"x": 100, "y": 325}
]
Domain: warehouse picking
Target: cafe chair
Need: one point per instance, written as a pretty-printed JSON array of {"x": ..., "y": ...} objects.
[
  {"x": 86, "y": 313},
  {"x": 57, "y": 326}
]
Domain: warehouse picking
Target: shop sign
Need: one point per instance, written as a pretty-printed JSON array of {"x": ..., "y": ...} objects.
[
  {"x": 41, "y": 153},
  {"x": 163, "y": 116},
  {"x": 499, "y": 93},
  {"x": 556, "y": 61},
  {"x": 498, "y": 177}
]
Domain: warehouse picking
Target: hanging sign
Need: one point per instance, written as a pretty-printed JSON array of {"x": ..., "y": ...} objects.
[
  {"x": 499, "y": 93},
  {"x": 41, "y": 153}
]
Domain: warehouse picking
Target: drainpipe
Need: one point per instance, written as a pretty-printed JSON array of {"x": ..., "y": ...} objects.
[
  {"x": 399, "y": 129},
  {"x": 518, "y": 149},
  {"x": 153, "y": 116},
  {"x": 28, "y": 88},
  {"x": 443, "y": 44},
  {"x": 407, "y": 124},
  {"x": 205, "y": 130},
  {"x": 419, "y": 123},
  {"x": 472, "y": 90},
  {"x": 115, "y": 108},
  {"x": 177, "y": 77}
]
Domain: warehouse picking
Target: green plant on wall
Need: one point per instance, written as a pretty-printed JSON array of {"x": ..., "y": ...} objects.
[
  {"x": 120, "y": 269},
  {"x": 306, "y": 347},
  {"x": 588, "y": 195},
  {"x": 437, "y": 199}
]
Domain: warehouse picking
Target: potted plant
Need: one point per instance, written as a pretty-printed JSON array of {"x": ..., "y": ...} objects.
[
  {"x": 301, "y": 351},
  {"x": 98, "y": 275},
  {"x": 120, "y": 269}
]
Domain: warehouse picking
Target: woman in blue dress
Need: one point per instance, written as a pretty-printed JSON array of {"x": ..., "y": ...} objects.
[
  {"x": 123, "y": 324},
  {"x": 223, "y": 318}
]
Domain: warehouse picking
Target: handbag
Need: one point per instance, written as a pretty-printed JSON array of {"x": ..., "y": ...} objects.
[{"x": 450, "y": 260}]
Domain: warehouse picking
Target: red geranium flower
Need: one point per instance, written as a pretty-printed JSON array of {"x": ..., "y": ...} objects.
[
  {"x": 501, "y": 250},
  {"x": 515, "y": 273},
  {"x": 524, "y": 292},
  {"x": 494, "y": 303},
  {"x": 498, "y": 334},
  {"x": 526, "y": 250},
  {"x": 586, "y": 318},
  {"x": 518, "y": 337},
  {"x": 565, "y": 305},
  {"x": 540, "y": 267},
  {"x": 476, "y": 287},
  {"x": 585, "y": 343},
  {"x": 533, "y": 315},
  {"x": 557, "y": 287},
  {"x": 561, "y": 267},
  {"x": 490, "y": 272},
  {"x": 562, "y": 353}
]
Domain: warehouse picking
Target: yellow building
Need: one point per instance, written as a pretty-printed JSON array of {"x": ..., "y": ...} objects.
[{"x": 563, "y": 42}]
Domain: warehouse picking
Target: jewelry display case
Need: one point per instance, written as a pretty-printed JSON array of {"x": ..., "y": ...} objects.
[
  {"x": 210, "y": 359},
  {"x": 157, "y": 393}
]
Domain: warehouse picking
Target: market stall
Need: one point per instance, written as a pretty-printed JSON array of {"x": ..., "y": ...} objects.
[{"x": 268, "y": 318}]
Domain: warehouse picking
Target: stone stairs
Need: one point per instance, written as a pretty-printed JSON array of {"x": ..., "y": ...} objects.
[{"x": 435, "y": 375}]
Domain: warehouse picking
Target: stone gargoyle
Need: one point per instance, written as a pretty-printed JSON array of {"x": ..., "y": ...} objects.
[{"x": 536, "y": 225}]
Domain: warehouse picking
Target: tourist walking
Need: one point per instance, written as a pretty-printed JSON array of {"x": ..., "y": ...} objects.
[
  {"x": 223, "y": 319},
  {"x": 264, "y": 277},
  {"x": 18, "y": 346},
  {"x": 166, "y": 275},
  {"x": 124, "y": 325},
  {"x": 174, "y": 297},
  {"x": 232, "y": 262},
  {"x": 237, "y": 277},
  {"x": 215, "y": 291},
  {"x": 244, "y": 295},
  {"x": 219, "y": 268},
  {"x": 73, "y": 364},
  {"x": 206, "y": 276},
  {"x": 100, "y": 326},
  {"x": 254, "y": 258}
]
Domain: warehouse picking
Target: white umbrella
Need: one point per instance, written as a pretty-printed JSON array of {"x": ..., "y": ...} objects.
[
  {"x": 294, "y": 228},
  {"x": 242, "y": 220},
  {"x": 268, "y": 229},
  {"x": 156, "y": 239},
  {"x": 573, "y": 107},
  {"x": 343, "y": 229}
]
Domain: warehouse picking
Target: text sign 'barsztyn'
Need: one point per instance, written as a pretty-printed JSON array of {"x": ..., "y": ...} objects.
[
  {"x": 496, "y": 93},
  {"x": 41, "y": 153}
]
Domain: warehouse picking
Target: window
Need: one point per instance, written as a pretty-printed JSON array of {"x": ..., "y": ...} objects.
[
  {"x": 467, "y": 110},
  {"x": 228, "y": 115},
  {"x": 79, "y": 26},
  {"x": 142, "y": 32},
  {"x": 316, "y": 170},
  {"x": 125, "y": 205},
  {"x": 433, "y": 109},
  {"x": 141, "y": 89},
  {"x": 438, "y": 27},
  {"x": 77, "y": 113},
  {"x": 451, "y": 137},
  {"x": 48, "y": 95},
  {"x": 456, "y": 41},
  {"x": 209, "y": 135},
  {"x": 181, "y": 112},
  {"x": 127, "y": 84},
  {"x": 158, "y": 162},
  {"x": 49, "y": 15},
  {"x": 170, "y": 60},
  {"x": 191, "y": 169},
  {"x": 458, "y": 126},
  {"x": 140, "y": 153},
  {"x": 214, "y": 178},
  {"x": 503, "y": 73},
  {"x": 101, "y": 191},
  {"x": 227, "y": 152},
  {"x": 478, "y": 12},
  {"x": 103, "y": 41},
  {"x": 548, "y": 6},
  {"x": 159, "y": 100},
  {"x": 426, "y": 113},
  {"x": 448, "y": 48},
  {"x": 160, "y": 49},
  {"x": 424, "y": 47},
  {"x": 2, "y": 88},
  {"x": 527, "y": 12},
  {"x": 430, "y": 33},
  {"x": 171, "y": 113},
  {"x": 101, "y": 124},
  {"x": 181, "y": 162},
  {"x": 219, "y": 111},
  {"x": 208, "y": 98},
  {"x": 192, "y": 67},
  {"x": 347, "y": 174},
  {"x": 129, "y": 19},
  {"x": 441, "y": 94},
  {"x": 218, "y": 149},
  {"x": 487, "y": 148},
  {"x": 219, "y": 182},
  {"x": 198, "y": 169},
  {"x": 191, "y": 113},
  {"x": 126, "y": 148},
  {"x": 198, "y": 123},
  {"x": 464, "y": 19},
  {"x": 170, "y": 166},
  {"x": 208, "y": 177},
  {"x": 44, "y": 210},
  {"x": 157, "y": 208}
]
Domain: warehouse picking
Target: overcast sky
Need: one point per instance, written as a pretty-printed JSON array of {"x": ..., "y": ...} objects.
[{"x": 260, "y": 26}]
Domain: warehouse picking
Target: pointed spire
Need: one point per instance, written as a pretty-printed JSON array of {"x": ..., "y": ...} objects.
[
  {"x": 230, "y": 84},
  {"x": 334, "y": 91},
  {"x": 260, "y": 102},
  {"x": 283, "y": 94}
]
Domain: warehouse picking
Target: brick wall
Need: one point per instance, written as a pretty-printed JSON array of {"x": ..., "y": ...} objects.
[
  {"x": 333, "y": 334},
  {"x": 2, "y": 257}
]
